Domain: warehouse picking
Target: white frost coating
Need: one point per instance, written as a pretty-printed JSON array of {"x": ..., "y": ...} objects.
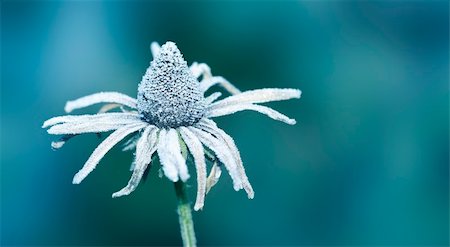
[
  {"x": 222, "y": 152},
  {"x": 168, "y": 94},
  {"x": 103, "y": 148},
  {"x": 257, "y": 96},
  {"x": 211, "y": 127},
  {"x": 259, "y": 108},
  {"x": 166, "y": 158},
  {"x": 200, "y": 69},
  {"x": 213, "y": 177},
  {"x": 175, "y": 150},
  {"x": 207, "y": 83},
  {"x": 102, "y": 97},
  {"x": 145, "y": 148},
  {"x": 154, "y": 48},
  {"x": 196, "y": 149},
  {"x": 88, "y": 127},
  {"x": 212, "y": 97},
  {"x": 108, "y": 117}
]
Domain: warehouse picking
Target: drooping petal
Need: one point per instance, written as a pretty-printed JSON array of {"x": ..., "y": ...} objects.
[
  {"x": 145, "y": 148},
  {"x": 196, "y": 149},
  {"x": 207, "y": 83},
  {"x": 169, "y": 153},
  {"x": 102, "y": 97},
  {"x": 222, "y": 152},
  {"x": 175, "y": 149},
  {"x": 227, "y": 110},
  {"x": 106, "y": 117},
  {"x": 212, "y": 98},
  {"x": 211, "y": 127},
  {"x": 103, "y": 148},
  {"x": 257, "y": 96},
  {"x": 213, "y": 176},
  {"x": 169, "y": 168}
]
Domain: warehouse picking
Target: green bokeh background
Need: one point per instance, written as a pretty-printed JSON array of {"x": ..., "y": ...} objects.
[{"x": 367, "y": 163}]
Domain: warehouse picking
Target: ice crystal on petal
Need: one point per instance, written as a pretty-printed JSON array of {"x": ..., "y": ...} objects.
[{"x": 171, "y": 116}]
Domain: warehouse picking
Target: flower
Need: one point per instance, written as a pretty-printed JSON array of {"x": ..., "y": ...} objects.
[{"x": 170, "y": 115}]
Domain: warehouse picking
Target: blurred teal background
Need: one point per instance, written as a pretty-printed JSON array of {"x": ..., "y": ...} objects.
[{"x": 367, "y": 163}]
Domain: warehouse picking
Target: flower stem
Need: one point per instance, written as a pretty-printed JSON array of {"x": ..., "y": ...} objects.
[{"x": 185, "y": 216}]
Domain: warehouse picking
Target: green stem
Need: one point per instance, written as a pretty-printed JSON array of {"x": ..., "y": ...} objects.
[{"x": 185, "y": 216}]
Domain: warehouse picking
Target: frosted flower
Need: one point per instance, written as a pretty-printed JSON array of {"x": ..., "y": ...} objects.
[{"x": 170, "y": 117}]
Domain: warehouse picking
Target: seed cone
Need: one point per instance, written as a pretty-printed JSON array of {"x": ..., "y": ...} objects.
[{"x": 169, "y": 95}]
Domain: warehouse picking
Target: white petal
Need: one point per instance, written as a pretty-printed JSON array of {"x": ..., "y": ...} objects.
[
  {"x": 196, "y": 149},
  {"x": 259, "y": 108},
  {"x": 103, "y": 148},
  {"x": 154, "y": 47},
  {"x": 206, "y": 83},
  {"x": 169, "y": 168},
  {"x": 166, "y": 157},
  {"x": 175, "y": 149},
  {"x": 103, "y": 97},
  {"x": 108, "y": 117},
  {"x": 199, "y": 69},
  {"x": 211, "y": 127},
  {"x": 212, "y": 98},
  {"x": 213, "y": 177},
  {"x": 222, "y": 152},
  {"x": 257, "y": 96},
  {"x": 145, "y": 148},
  {"x": 87, "y": 127}
]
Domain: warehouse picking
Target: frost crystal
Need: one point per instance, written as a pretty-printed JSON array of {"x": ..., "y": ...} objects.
[
  {"x": 170, "y": 109},
  {"x": 169, "y": 95}
]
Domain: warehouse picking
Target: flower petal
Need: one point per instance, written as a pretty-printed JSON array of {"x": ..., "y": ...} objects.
[
  {"x": 102, "y": 97},
  {"x": 196, "y": 149},
  {"x": 154, "y": 47},
  {"x": 212, "y": 98},
  {"x": 207, "y": 83},
  {"x": 103, "y": 148},
  {"x": 199, "y": 69},
  {"x": 108, "y": 117},
  {"x": 169, "y": 152},
  {"x": 257, "y": 96},
  {"x": 259, "y": 108},
  {"x": 145, "y": 148},
  {"x": 211, "y": 127},
  {"x": 165, "y": 157},
  {"x": 222, "y": 152},
  {"x": 88, "y": 127},
  {"x": 213, "y": 177}
]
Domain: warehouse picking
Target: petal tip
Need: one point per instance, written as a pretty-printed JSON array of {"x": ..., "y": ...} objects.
[
  {"x": 198, "y": 207},
  {"x": 77, "y": 179},
  {"x": 119, "y": 194},
  {"x": 68, "y": 107}
]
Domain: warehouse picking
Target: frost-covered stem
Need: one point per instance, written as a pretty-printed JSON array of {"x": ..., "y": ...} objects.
[{"x": 185, "y": 216}]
